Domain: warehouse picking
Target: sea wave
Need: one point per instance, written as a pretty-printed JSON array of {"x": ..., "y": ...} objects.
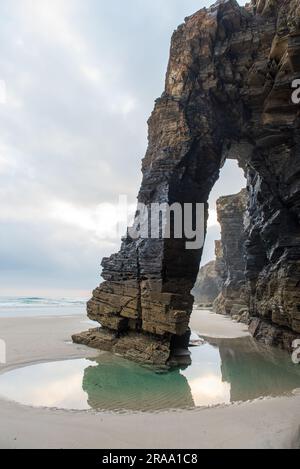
[{"x": 40, "y": 302}]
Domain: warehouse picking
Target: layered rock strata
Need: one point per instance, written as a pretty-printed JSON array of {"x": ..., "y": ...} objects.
[
  {"x": 227, "y": 94},
  {"x": 233, "y": 298},
  {"x": 207, "y": 286}
]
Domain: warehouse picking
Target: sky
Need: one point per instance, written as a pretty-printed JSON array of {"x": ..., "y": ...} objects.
[{"x": 78, "y": 80}]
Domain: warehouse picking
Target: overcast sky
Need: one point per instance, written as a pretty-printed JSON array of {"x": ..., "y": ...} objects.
[{"x": 81, "y": 78}]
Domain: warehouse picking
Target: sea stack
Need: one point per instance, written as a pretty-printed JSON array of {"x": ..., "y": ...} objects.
[{"x": 228, "y": 94}]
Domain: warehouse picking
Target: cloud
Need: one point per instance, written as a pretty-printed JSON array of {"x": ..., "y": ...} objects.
[{"x": 81, "y": 78}]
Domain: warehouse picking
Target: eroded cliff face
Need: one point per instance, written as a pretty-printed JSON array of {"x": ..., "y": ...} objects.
[
  {"x": 208, "y": 285},
  {"x": 234, "y": 297},
  {"x": 227, "y": 95}
]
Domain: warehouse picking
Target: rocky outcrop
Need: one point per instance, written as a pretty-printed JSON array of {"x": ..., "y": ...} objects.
[
  {"x": 136, "y": 347},
  {"x": 227, "y": 95},
  {"x": 271, "y": 334},
  {"x": 233, "y": 298},
  {"x": 207, "y": 286}
]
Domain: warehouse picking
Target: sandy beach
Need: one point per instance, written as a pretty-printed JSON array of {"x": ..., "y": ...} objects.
[{"x": 268, "y": 423}]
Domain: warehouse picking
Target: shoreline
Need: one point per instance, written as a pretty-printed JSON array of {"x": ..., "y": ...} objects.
[{"x": 263, "y": 423}]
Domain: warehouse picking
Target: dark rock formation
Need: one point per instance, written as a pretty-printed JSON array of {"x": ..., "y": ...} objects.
[
  {"x": 136, "y": 347},
  {"x": 219, "y": 262},
  {"x": 233, "y": 298},
  {"x": 227, "y": 95},
  {"x": 271, "y": 334},
  {"x": 208, "y": 285}
]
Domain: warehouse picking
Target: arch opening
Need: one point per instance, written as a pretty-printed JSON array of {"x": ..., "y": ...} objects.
[
  {"x": 225, "y": 197},
  {"x": 224, "y": 98}
]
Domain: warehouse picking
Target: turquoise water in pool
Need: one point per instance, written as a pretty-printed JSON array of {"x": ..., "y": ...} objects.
[{"x": 222, "y": 372}]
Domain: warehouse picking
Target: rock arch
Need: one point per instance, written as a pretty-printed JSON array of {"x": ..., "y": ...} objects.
[{"x": 227, "y": 94}]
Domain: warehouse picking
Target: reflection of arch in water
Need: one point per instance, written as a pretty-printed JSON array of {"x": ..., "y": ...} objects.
[
  {"x": 254, "y": 370},
  {"x": 116, "y": 384}
]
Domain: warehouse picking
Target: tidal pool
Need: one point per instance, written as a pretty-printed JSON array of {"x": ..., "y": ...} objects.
[{"x": 222, "y": 372}]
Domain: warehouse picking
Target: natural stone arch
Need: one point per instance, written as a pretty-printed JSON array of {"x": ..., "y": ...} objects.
[{"x": 227, "y": 94}]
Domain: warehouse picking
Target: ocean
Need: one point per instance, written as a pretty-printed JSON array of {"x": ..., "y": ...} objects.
[{"x": 41, "y": 306}]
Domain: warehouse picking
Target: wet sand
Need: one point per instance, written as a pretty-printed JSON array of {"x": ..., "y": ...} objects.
[
  {"x": 209, "y": 324},
  {"x": 268, "y": 423}
]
